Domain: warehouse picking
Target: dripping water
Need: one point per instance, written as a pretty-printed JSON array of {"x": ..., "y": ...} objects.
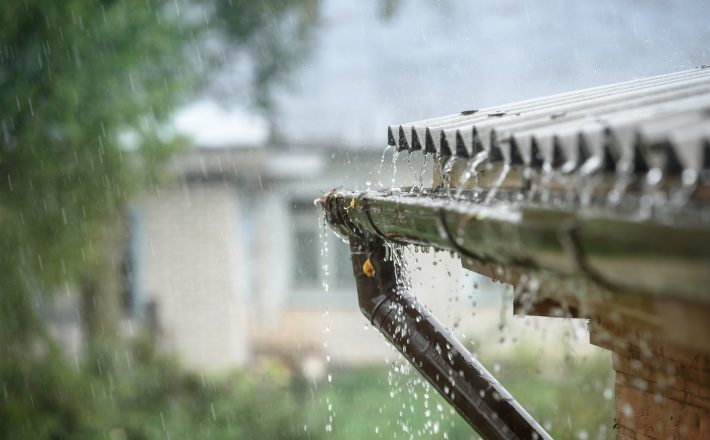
[
  {"x": 471, "y": 172},
  {"x": 382, "y": 163},
  {"x": 682, "y": 195},
  {"x": 395, "y": 156},
  {"x": 411, "y": 168},
  {"x": 624, "y": 179},
  {"x": 530, "y": 184},
  {"x": 410, "y": 393},
  {"x": 323, "y": 237},
  {"x": 586, "y": 186},
  {"x": 422, "y": 170},
  {"x": 546, "y": 180},
  {"x": 497, "y": 184},
  {"x": 446, "y": 171}
]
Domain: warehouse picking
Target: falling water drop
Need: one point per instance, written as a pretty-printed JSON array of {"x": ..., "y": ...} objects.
[
  {"x": 497, "y": 184},
  {"x": 382, "y": 163}
]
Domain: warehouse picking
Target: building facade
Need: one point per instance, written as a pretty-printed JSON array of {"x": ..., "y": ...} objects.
[{"x": 235, "y": 262}]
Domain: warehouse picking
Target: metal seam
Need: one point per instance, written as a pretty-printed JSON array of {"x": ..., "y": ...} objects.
[
  {"x": 441, "y": 220},
  {"x": 366, "y": 209},
  {"x": 570, "y": 237},
  {"x": 345, "y": 220}
]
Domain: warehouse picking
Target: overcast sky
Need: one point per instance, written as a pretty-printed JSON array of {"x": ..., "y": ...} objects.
[{"x": 440, "y": 57}]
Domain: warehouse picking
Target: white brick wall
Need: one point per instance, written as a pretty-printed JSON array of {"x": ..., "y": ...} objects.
[{"x": 190, "y": 262}]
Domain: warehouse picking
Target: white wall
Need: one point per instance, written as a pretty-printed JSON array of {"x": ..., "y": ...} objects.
[{"x": 190, "y": 259}]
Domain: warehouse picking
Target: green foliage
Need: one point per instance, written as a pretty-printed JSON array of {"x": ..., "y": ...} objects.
[
  {"x": 567, "y": 397},
  {"x": 133, "y": 395},
  {"x": 270, "y": 35},
  {"x": 74, "y": 76},
  {"x": 382, "y": 403},
  {"x": 77, "y": 78}
]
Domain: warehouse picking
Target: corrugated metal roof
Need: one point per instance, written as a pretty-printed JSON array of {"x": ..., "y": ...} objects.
[{"x": 659, "y": 122}]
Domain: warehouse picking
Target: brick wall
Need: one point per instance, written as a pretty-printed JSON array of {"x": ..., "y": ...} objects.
[
  {"x": 662, "y": 386},
  {"x": 189, "y": 265},
  {"x": 666, "y": 397}
]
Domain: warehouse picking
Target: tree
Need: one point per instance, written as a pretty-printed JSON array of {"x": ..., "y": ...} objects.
[{"x": 77, "y": 78}]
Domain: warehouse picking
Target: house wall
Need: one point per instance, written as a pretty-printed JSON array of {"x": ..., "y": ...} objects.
[
  {"x": 218, "y": 256},
  {"x": 308, "y": 322},
  {"x": 190, "y": 268},
  {"x": 305, "y": 322}
]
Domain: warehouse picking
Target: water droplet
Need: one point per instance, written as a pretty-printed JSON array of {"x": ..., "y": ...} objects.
[
  {"x": 608, "y": 393},
  {"x": 626, "y": 410}
]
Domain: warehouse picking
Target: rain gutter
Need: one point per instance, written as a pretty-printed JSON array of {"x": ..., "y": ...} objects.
[{"x": 424, "y": 341}]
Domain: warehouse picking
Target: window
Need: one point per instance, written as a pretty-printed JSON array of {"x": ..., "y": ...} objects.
[
  {"x": 311, "y": 265},
  {"x": 343, "y": 267},
  {"x": 307, "y": 272}
]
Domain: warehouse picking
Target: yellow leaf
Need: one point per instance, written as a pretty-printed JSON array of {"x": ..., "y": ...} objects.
[{"x": 368, "y": 269}]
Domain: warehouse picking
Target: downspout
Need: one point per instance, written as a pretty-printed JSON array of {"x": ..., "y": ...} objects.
[{"x": 433, "y": 350}]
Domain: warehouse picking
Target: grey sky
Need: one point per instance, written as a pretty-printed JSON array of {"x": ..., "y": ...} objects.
[{"x": 439, "y": 57}]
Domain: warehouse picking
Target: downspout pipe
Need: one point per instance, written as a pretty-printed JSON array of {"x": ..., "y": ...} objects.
[{"x": 433, "y": 350}]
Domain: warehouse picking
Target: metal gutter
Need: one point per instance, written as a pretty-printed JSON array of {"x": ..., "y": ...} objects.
[
  {"x": 432, "y": 349},
  {"x": 617, "y": 252},
  {"x": 607, "y": 188}
]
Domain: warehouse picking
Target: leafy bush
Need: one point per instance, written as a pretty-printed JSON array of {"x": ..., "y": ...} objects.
[
  {"x": 574, "y": 402},
  {"x": 133, "y": 394}
]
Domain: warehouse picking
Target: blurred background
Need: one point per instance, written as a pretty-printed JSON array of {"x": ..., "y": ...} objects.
[{"x": 163, "y": 270}]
